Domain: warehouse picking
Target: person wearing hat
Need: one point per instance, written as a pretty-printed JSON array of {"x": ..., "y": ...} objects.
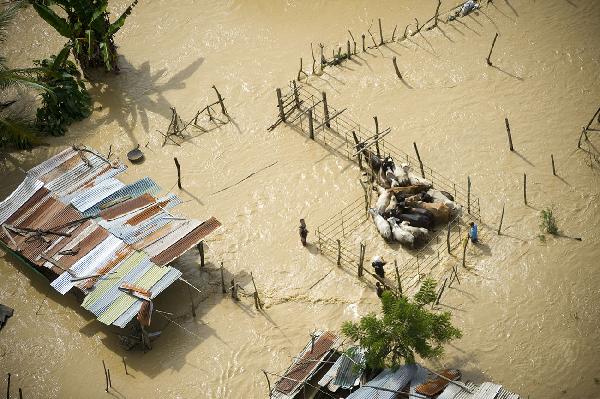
[{"x": 377, "y": 262}]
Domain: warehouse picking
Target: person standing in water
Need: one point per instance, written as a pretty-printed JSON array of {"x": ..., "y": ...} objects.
[
  {"x": 473, "y": 235},
  {"x": 303, "y": 232},
  {"x": 377, "y": 262}
]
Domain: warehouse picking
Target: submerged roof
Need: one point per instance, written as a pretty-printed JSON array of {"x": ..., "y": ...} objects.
[{"x": 73, "y": 218}]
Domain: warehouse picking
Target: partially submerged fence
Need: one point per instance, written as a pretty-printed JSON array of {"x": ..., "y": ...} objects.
[{"x": 308, "y": 112}]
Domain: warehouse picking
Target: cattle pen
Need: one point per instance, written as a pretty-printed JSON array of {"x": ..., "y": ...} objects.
[{"x": 342, "y": 236}]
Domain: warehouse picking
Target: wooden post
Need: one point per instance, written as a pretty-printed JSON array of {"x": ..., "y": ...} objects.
[
  {"x": 490, "y": 54},
  {"x": 223, "y": 290},
  {"x": 455, "y": 275},
  {"x": 398, "y": 277},
  {"x": 20, "y": 393},
  {"x": 339, "y": 259},
  {"x": 468, "y": 194},
  {"x": 357, "y": 148},
  {"x": 501, "y": 219},
  {"x": 437, "y": 300},
  {"x": 125, "y": 365},
  {"x": 448, "y": 238},
  {"x": 192, "y": 302},
  {"x": 105, "y": 375},
  {"x": 419, "y": 158},
  {"x": 437, "y": 13},
  {"x": 109, "y": 380},
  {"x": 257, "y": 302},
  {"x": 380, "y": 32},
  {"x": 280, "y": 105},
  {"x": 178, "y": 172},
  {"x": 326, "y": 110},
  {"x": 525, "y": 188},
  {"x": 553, "y": 169},
  {"x": 510, "y": 143},
  {"x": 311, "y": 131},
  {"x": 8, "y": 386},
  {"x": 465, "y": 251},
  {"x": 223, "y": 110},
  {"x": 396, "y": 68},
  {"x": 268, "y": 382},
  {"x": 348, "y": 53},
  {"x": 363, "y": 42},
  {"x": 361, "y": 258},
  {"x": 296, "y": 96},
  {"x": 377, "y": 136},
  {"x": 200, "y": 247}
]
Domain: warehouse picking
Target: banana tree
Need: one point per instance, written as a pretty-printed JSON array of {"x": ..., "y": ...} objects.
[{"x": 88, "y": 28}]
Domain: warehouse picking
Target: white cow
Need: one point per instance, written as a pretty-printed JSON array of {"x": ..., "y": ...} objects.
[
  {"x": 402, "y": 235},
  {"x": 382, "y": 226}
]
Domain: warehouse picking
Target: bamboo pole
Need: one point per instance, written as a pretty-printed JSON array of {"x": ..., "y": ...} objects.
[
  {"x": 396, "y": 68},
  {"x": 200, "y": 247},
  {"x": 105, "y": 375},
  {"x": 469, "y": 194},
  {"x": 257, "y": 302},
  {"x": 437, "y": 300},
  {"x": 268, "y": 382},
  {"x": 363, "y": 43},
  {"x": 491, "y": 48},
  {"x": 280, "y": 105},
  {"x": 377, "y": 136},
  {"x": 398, "y": 277},
  {"x": 339, "y": 257},
  {"x": 501, "y": 219},
  {"x": 448, "y": 238},
  {"x": 361, "y": 260},
  {"x": 125, "y": 365},
  {"x": 437, "y": 13},
  {"x": 326, "y": 109},
  {"x": 191, "y": 301},
  {"x": 553, "y": 168},
  {"x": 8, "y": 386},
  {"x": 223, "y": 110},
  {"x": 348, "y": 53},
  {"x": 296, "y": 96},
  {"x": 380, "y": 32},
  {"x": 525, "y": 188},
  {"x": 510, "y": 143},
  {"x": 178, "y": 172},
  {"x": 464, "y": 258},
  {"x": 223, "y": 290},
  {"x": 311, "y": 131},
  {"x": 419, "y": 159}
]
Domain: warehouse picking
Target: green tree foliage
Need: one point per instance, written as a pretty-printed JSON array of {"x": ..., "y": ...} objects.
[
  {"x": 88, "y": 28},
  {"x": 15, "y": 128},
  {"x": 405, "y": 329},
  {"x": 68, "y": 101},
  {"x": 548, "y": 222}
]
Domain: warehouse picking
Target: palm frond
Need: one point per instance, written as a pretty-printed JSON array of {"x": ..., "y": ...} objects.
[{"x": 17, "y": 132}]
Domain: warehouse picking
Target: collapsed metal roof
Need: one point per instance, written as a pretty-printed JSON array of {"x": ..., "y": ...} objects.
[{"x": 72, "y": 219}]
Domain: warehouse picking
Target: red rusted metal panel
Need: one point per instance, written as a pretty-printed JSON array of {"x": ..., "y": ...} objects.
[
  {"x": 126, "y": 207},
  {"x": 190, "y": 240}
]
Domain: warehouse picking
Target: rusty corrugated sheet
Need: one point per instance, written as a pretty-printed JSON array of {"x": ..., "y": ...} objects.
[
  {"x": 85, "y": 246},
  {"x": 306, "y": 364},
  {"x": 126, "y": 207},
  {"x": 62, "y": 168},
  {"x": 187, "y": 242},
  {"x": 28, "y": 206}
]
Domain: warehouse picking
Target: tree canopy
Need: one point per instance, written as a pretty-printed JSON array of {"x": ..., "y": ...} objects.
[{"x": 403, "y": 330}]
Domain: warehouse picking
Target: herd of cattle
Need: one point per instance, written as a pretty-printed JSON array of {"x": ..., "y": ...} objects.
[{"x": 407, "y": 206}]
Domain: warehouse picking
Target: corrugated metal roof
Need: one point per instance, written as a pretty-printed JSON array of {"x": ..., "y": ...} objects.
[
  {"x": 18, "y": 197},
  {"x": 134, "y": 190},
  {"x": 124, "y": 301},
  {"x": 96, "y": 194},
  {"x": 51, "y": 163},
  {"x": 388, "y": 379},
  {"x": 126, "y": 206},
  {"x": 187, "y": 242},
  {"x": 89, "y": 264},
  {"x": 160, "y": 286},
  {"x": 350, "y": 369},
  {"x": 305, "y": 365},
  {"x": 57, "y": 196}
]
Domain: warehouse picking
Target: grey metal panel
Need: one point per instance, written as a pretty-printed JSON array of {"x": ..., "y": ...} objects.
[
  {"x": 387, "y": 379},
  {"x": 96, "y": 194},
  {"x": 349, "y": 372},
  {"x": 142, "y": 186},
  {"x": 487, "y": 390},
  {"x": 71, "y": 180},
  {"x": 18, "y": 197},
  {"x": 89, "y": 264},
  {"x": 160, "y": 286}
]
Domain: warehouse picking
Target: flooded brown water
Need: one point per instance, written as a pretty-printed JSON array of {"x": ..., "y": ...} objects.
[{"x": 528, "y": 309}]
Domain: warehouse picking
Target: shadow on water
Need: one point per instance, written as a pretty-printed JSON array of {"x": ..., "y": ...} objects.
[{"x": 127, "y": 98}]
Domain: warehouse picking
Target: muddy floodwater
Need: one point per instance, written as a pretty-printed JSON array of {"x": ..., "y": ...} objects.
[{"x": 529, "y": 308}]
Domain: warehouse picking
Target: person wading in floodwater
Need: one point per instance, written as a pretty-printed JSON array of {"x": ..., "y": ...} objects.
[
  {"x": 379, "y": 289},
  {"x": 473, "y": 235},
  {"x": 303, "y": 232},
  {"x": 378, "y": 264}
]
